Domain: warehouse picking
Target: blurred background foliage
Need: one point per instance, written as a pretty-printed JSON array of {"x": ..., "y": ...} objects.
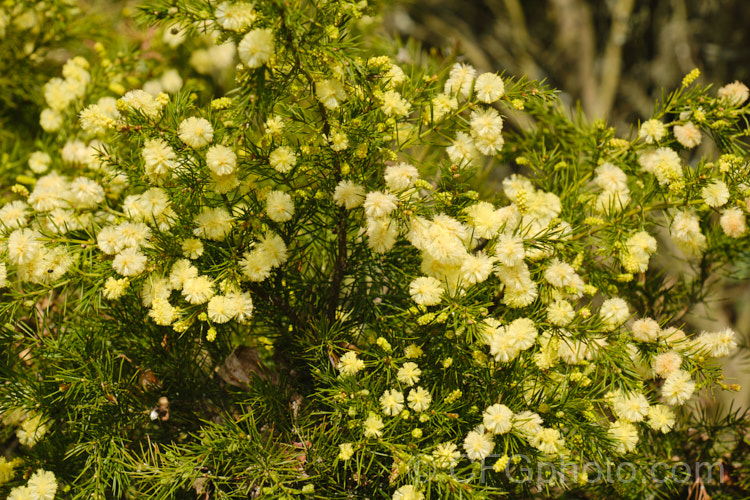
[{"x": 612, "y": 56}]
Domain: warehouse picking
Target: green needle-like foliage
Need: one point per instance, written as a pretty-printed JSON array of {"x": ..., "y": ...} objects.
[{"x": 267, "y": 254}]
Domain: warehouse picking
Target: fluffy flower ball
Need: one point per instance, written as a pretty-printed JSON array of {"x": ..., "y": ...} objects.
[
  {"x": 419, "y": 399},
  {"x": 348, "y": 194},
  {"x": 13, "y": 215},
  {"x": 661, "y": 418},
  {"x": 485, "y": 219},
  {"x": 159, "y": 159},
  {"x": 129, "y": 262},
  {"x": 631, "y": 407},
  {"x": 221, "y": 309},
  {"x": 548, "y": 441},
  {"x": 478, "y": 445},
  {"x": 646, "y": 330},
  {"x": 3, "y": 275},
  {"x": 734, "y": 93},
  {"x": 381, "y": 234},
  {"x": 462, "y": 151},
  {"x": 476, "y": 268},
  {"x": 162, "y": 312},
  {"x": 39, "y": 162},
  {"x": 652, "y": 131},
  {"x": 409, "y": 373},
  {"x": 625, "y": 436},
  {"x": 50, "y": 120},
  {"x": 614, "y": 312},
  {"x": 717, "y": 344},
  {"x": 688, "y": 135},
  {"x": 562, "y": 275},
  {"x": 486, "y": 131},
  {"x": 256, "y": 48},
  {"x": 664, "y": 163},
  {"x": 379, "y": 204},
  {"x": 733, "y": 222},
  {"x": 350, "y": 364},
  {"x": 686, "y": 233},
  {"x": 426, "y": 290},
  {"x": 42, "y": 485},
  {"x": 141, "y": 101},
  {"x": 346, "y": 451},
  {"x": 506, "y": 342},
  {"x": 446, "y": 455},
  {"x": 408, "y": 492},
  {"x": 498, "y": 419},
  {"x": 235, "y": 16},
  {"x": 401, "y": 176},
  {"x": 392, "y": 402},
  {"x": 213, "y": 224},
  {"x": 715, "y": 194},
  {"x": 509, "y": 250},
  {"x": 195, "y": 132},
  {"x": 85, "y": 193},
  {"x": 221, "y": 160},
  {"x": 678, "y": 387},
  {"x": 460, "y": 80},
  {"x": 393, "y": 104},
  {"x": 282, "y": 159},
  {"x": 666, "y": 363},
  {"x": 611, "y": 178},
  {"x": 330, "y": 93},
  {"x": 639, "y": 247},
  {"x": 373, "y": 426},
  {"x": 489, "y": 87},
  {"x": 198, "y": 290},
  {"x": 527, "y": 423},
  {"x": 560, "y": 313},
  {"x": 279, "y": 206}
]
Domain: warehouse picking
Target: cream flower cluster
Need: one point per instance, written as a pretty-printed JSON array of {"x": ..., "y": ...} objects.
[
  {"x": 638, "y": 251},
  {"x": 677, "y": 387},
  {"x": 174, "y": 293},
  {"x": 142, "y": 102},
  {"x": 41, "y": 231},
  {"x": 268, "y": 253},
  {"x": 507, "y": 341},
  {"x": 499, "y": 419},
  {"x": 446, "y": 244},
  {"x": 256, "y": 48},
  {"x": 57, "y": 206},
  {"x": 735, "y": 93},
  {"x": 652, "y": 131},
  {"x": 686, "y": 233},
  {"x": 486, "y": 124},
  {"x": 613, "y": 183},
  {"x": 31, "y": 429},
  {"x": 235, "y": 16},
  {"x": 664, "y": 163},
  {"x": 61, "y": 93},
  {"x": 99, "y": 117},
  {"x": 42, "y": 485}
]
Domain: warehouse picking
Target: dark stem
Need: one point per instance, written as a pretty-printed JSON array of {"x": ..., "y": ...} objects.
[{"x": 339, "y": 268}]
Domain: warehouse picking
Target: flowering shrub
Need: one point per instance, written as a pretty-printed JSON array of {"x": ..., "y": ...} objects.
[{"x": 300, "y": 286}]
